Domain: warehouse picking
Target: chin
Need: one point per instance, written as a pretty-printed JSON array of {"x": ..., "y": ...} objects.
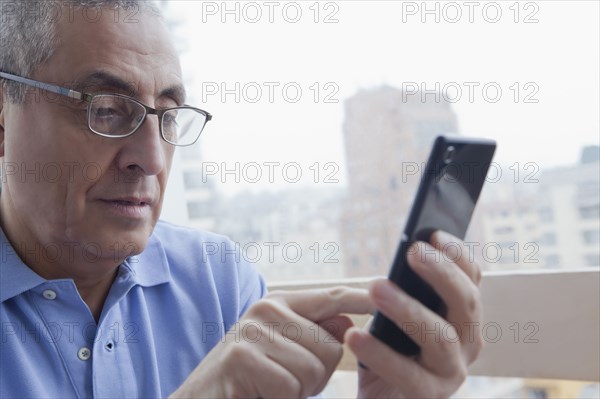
[{"x": 116, "y": 242}]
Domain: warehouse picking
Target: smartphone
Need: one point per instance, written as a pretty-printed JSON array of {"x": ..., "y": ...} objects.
[{"x": 450, "y": 186}]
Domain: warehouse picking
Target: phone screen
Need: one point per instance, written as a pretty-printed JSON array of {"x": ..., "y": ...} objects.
[{"x": 450, "y": 186}]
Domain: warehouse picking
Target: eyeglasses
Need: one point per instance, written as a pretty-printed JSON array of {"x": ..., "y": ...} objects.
[{"x": 117, "y": 115}]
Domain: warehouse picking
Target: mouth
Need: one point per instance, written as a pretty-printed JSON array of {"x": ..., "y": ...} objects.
[
  {"x": 129, "y": 207},
  {"x": 129, "y": 201}
]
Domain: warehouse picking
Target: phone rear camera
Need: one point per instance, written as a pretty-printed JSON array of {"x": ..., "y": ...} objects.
[{"x": 449, "y": 154}]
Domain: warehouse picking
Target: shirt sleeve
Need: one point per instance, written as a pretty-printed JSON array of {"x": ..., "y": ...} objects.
[{"x": 252, "y": 286}]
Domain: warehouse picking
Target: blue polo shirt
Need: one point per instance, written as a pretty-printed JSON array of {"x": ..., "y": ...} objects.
[{"x": 167, "y": 308}]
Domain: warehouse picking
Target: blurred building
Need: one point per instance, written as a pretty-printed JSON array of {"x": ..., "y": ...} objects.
[
  {"x": 549, "y": 220},
  {"x": 509, "y": 223},
  {"x": 387, "y": 137},
  {"x": 569, "y": 212},
  {"x": 288, "y": 234}
]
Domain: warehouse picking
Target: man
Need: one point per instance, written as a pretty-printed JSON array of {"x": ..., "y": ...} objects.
[{"x": 101, "y": 300}]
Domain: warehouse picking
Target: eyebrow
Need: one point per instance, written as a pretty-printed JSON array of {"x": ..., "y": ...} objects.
[
  {"x": 107, "y": 79},
  {"x": 176, "y": 92}
]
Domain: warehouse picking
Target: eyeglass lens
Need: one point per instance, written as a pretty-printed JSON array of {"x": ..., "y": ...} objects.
[{"x": 119, "y": 116}]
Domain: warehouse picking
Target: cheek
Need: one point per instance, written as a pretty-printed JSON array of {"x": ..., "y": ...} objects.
[
  {"x": 49, "y": 170},
  {"x": 32, "y": 169}
]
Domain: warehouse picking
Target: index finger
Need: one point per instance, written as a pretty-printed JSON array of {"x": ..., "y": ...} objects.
[{"x": 322, "y": 303}]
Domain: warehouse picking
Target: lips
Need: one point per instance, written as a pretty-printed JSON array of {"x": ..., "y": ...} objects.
[
  {"x": 129, "y": 207},
  {"x": 130, "y": 201}
]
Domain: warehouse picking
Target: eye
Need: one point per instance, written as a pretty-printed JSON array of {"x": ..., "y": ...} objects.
[
  {"x": 106, "y": 112},
  {"x": 170, "y": 119}
]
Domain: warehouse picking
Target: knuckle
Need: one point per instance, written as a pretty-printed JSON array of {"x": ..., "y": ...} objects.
[
  {"x": 475, "y": 349},
  {"x": 473, "y": 305},
  {"x": 479, "y": 343},
  {"x": 251, "y": 331},
  {"x": 241, "y": 354},
  {"x": 447, "y": 344},
  {"x": 276, "y": 295},
  {"x": 266, "y": 307},
  {"x": 292, "y": 387},
  {"x": 417, "y": 386},
  {"x": 337, "y": 292},
  {"x": 452, "y": 382},
  {"x": 478, "y": 273},
  {"x": 315, "y": 372},
  {"x": 332, "y": 297},
  {"x": 332, "y": 357},
  {"x": 412, "y": 312}
]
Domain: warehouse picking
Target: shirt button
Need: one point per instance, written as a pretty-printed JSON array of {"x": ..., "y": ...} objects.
[
  {"x": 49, "y": 294},
  {"x": 84, "y": 353}
]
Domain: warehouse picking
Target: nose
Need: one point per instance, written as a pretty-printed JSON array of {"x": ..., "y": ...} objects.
[{"x": 144, "y": 152}]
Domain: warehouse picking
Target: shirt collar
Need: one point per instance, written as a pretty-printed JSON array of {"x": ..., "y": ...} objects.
[
  {"x": 147, "y": 269},
  {"x": 151, "y": 267}
]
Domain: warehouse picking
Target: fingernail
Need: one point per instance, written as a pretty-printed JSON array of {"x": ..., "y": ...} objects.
[
  {"x": 383, "y": 290},
  {"x": 418, "y": 254},
  {"x": 356, "y": 337},
  {"x": 444, "y": 237}
]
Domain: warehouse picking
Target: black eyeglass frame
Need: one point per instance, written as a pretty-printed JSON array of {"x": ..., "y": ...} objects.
[{"x": 76, "y": 95}]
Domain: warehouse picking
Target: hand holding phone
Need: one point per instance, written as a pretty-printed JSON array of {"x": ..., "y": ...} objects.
[{"x": 450, "y": 186}]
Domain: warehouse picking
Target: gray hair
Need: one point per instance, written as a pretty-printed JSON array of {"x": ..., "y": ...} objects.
[{"x": 28, "y": 37}]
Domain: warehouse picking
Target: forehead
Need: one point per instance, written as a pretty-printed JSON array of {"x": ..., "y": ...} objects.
[{"x": 139, "y": 51}]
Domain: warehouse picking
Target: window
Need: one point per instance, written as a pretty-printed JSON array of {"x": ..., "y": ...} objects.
[
  {"x": 552, "y": 261},
  {"x": 190, "y": 153},
  {"x": 375, "y": 262},
  {"x": 503, "y": 230},
  {"x": 195, "y": 179},
  {"x": 589, "y": 188},
  {"x": 589, "y": 212},
  {"x": 361, "y": 127},
  {"x": 592, "y": 259},
  {"x": 591, "y": 237},
  {"x": 548, "y": 239},
  {"x": 353, "y": 119},
  {"x": 198, "y": 209},
  {"x": 546, "y": 215},
  {"x": 393, "y": 183}
]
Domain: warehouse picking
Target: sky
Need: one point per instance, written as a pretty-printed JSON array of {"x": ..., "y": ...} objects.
[{"x": 528, "y": 75}]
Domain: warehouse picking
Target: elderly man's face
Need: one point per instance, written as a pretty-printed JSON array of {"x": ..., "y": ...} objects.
[{"x": 109, "y": 190}]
